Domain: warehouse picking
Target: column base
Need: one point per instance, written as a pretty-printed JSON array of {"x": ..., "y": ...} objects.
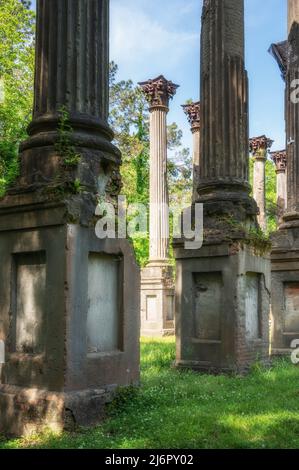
[
  {"x": 25, "y": 411},
  {"x": 285, "y": 291},
  {"x": 157, "y": 300},
  {"x": 222, "y": 308}
]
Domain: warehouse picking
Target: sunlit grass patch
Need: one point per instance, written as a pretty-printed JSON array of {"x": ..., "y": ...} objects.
[{"x": 183, "y": 409}]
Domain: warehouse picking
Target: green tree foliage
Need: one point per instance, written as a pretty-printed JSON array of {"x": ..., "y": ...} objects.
[{"x": 16, "y": 82}]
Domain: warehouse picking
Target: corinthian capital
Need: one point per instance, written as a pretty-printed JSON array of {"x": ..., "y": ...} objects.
[
  {"x": 259, "y": 146},
  {"x": 280, "y": 159},
  {"x": 159, "y": 91}
]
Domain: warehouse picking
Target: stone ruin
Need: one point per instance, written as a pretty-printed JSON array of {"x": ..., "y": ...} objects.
[{"x": 70, "y": 302}]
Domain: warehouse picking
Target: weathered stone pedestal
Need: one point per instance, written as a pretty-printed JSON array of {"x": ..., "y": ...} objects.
[
  {"x": 157, "y": 300},
  {"x": 222, "y": 318},
  {"x": 69, "y": 310}
]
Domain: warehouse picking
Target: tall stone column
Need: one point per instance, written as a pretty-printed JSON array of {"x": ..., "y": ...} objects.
[
  {"x": 280, "y": 160},
  {"x": 285, "y": 252},
  {"x": 69, "y": 311},
  {"x": 293, "y": 13},
  {"x": 224, "y": 170},
  {"x": 157, "y": 278},
  {"x": 259, "y": 147},
  {"x": 292, "y": 119},
  {"x": 192, "y": 111},
  {"x": 222, "y": 289}
]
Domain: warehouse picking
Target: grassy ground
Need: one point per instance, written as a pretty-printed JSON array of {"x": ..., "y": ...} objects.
[{"x": 187, "y": 410}]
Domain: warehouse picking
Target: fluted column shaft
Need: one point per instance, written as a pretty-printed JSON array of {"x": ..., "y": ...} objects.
[
  {"x": 196, "y": 161},
  {"x": 224, "y": 96},
  {"x": 292, "y": 115},
  {"x": 293, "y": 156},
  {"x": 281, "y": 182},
  {"x": 259, "y": 148},
  {"x": 293, "y": 13},
  {"x": 159, "y": 200},
  {"x": 71, "y": 74},
  {"x": 192, "y": 111},
  {"x": 259, "y": 189},
  {"x": 280, "y": 160}
]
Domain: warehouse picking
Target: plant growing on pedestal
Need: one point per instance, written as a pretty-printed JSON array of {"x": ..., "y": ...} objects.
[{"x": 64, "y": 146}]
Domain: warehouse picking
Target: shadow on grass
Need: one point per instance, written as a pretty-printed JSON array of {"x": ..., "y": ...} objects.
[{"x": 187, "y": 410}]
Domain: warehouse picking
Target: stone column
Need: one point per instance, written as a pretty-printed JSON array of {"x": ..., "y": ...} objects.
[
  {"x": 192, "y": 111},
  {"x": 70, "y": 302},
  {"x": 157, "y": 278},
  {"x": 71, "y": 72},
  {"x": 259, "y": 147},
  {"x": 280, "y": 160},
  {"x": 285, "y": 242},
  {"x": 222, "y": 289}
]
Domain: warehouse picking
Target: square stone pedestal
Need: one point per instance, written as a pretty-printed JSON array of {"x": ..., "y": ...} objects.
[
  {"x": 157, "y": 300},
  {"x": 285, "y": 291},
  {"x": 222, "y": 308},
  {"x": 69, "y": 318}
]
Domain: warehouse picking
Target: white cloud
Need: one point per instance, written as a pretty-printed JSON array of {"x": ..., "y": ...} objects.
[{"x": 142, "y": 45}]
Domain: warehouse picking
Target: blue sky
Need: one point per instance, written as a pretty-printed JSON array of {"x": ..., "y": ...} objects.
[{"x": 163, "y": 36}]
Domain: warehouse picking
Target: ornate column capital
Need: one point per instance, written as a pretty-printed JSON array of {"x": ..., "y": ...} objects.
[
  {"x": 158, "y": 92},
  {"x": 192, "y": 111},
  {"x": 280, "y": 159},
  {"x": 259, "y": 146}
]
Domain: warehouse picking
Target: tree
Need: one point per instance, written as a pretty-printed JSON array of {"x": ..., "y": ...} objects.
[
  {"x": 179, "y": 168},
  {"x": 16, "y": 82}
]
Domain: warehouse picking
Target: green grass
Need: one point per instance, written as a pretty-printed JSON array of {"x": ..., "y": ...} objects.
[{"x": 187, "y": 410}]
